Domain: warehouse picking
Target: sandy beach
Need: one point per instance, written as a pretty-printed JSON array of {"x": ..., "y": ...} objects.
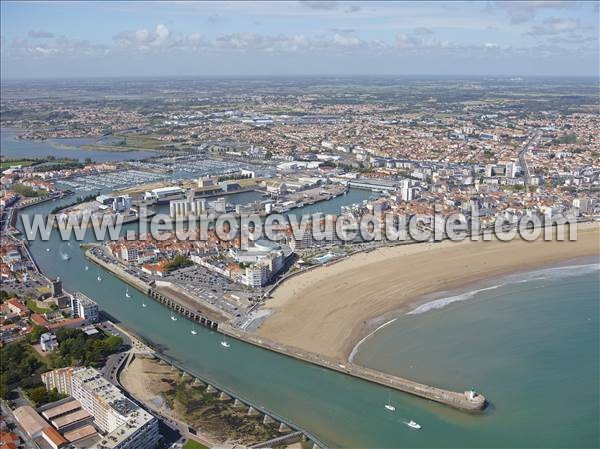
[{"x": 330, "y": 309}]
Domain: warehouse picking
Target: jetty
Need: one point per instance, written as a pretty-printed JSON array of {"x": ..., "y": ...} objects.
[{"x": 468, "y": 401}]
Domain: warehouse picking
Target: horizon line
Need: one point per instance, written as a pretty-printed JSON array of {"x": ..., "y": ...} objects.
[{"x": 299, "y": 75}]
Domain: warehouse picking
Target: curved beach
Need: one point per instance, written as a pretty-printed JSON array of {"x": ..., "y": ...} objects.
[{"x": 330, "y": 309}]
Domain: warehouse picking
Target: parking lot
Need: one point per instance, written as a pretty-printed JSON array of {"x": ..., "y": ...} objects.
[{"x": 213, "y": 289}]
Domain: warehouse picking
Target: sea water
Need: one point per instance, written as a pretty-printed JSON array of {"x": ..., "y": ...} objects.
[{"x": 529, "y": 342}]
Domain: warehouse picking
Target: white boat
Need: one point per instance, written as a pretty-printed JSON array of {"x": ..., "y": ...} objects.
[
  {"x": 99, "y": 278},
  {"x": 47, "y": 250},
  {"x": 87, "y": 268},
  {"x": 194, "y": 332},
  {"x": 413, "y": 424},
  {"x": 225, "y": 344},
  {"x": 389, "y": 405},
  {"x": 173, "y": 317},
  {"x": 127, "y": 295},
  {"x": 143, "y": 305}
]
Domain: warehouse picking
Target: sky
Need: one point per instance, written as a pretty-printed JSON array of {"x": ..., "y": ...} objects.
[{"x": 279, "y": 38}]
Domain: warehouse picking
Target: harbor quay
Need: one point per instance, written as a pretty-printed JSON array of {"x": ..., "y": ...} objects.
[{"x": 468, "y": 401}]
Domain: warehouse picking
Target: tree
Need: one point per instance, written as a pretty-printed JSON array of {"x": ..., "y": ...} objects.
[
  {"x": 36, "y": 333},
  {"x": 38, "y": 395}
]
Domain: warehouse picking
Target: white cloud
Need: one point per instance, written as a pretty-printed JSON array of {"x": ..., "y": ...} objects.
[{"x": 144, "y": 39}]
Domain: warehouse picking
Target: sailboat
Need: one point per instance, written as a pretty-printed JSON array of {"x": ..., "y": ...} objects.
[
  {"x": 127, "y": 295},
  {"x": 389, "y": 405}
]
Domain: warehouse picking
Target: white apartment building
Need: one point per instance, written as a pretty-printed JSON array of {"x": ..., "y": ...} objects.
[
  {"x": 84, "y": 307},
  {"x": 59, "y": 378},
  {"x": 124, "y": 424}
]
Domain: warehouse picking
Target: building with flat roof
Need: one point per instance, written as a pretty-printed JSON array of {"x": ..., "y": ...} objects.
[
  {"x": 125, "y": 424},
  {"x": 163, "y": 195},
  {"x": 84, "y": 307},
  {"x": 48, "y": 342}
]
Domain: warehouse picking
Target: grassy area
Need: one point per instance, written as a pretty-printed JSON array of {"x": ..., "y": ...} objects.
[
  {"x": 191, "y": 444},
  {"x": 9, "y": 163},
  {"x": 32, "y": 305}
]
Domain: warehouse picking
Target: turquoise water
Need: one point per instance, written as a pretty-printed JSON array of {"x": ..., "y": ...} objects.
[
  {"x": 11, "y": 147},
  {"x": 531, "y": 347},
  {"x": 530, "y": 343}
]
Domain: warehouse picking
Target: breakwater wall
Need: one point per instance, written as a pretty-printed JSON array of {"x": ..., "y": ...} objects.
[{"x": 466, "y": 401}]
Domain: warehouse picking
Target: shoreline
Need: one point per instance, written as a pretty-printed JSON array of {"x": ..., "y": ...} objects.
[
  {"x": 331, "y": 309},
  {"x": 468, "y": 289}
]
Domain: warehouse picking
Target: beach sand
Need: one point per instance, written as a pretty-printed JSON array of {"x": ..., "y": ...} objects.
[{"x": 330, "y": 309}]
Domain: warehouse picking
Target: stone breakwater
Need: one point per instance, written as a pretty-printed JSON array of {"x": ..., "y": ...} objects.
[{"x": 467, "y": 401}]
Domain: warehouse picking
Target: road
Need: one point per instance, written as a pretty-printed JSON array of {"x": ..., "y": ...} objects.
[{"x": 523, "y": 161}]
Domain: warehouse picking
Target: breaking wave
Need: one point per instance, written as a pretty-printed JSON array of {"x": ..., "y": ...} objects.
[{"x": 537, "y": 275}]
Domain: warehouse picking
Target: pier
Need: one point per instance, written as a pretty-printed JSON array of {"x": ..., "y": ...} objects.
[{"x": 468, "y": 401}]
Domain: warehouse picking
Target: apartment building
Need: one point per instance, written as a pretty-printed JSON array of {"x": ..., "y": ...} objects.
[
  {"x": 124, "y": 424},
  {"x": 84, "y": 307}
]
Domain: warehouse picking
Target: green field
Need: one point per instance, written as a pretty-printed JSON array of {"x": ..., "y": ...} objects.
[
  {"x": 191, "y": 444},
  {"x": 32, "y": 305},
  {"x": 4, "y": 164}
]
